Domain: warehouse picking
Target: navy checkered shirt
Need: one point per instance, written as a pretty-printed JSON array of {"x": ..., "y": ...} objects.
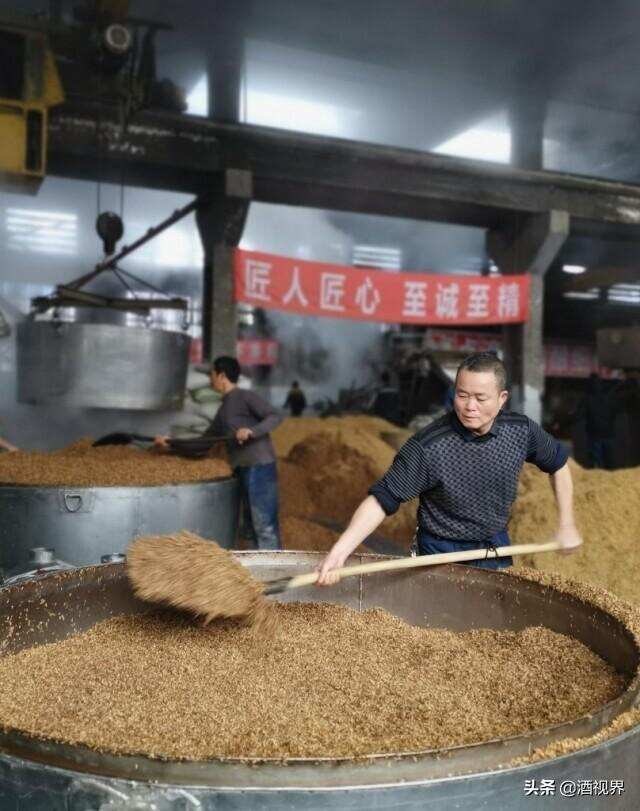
[{"x": 466, "y": 483}]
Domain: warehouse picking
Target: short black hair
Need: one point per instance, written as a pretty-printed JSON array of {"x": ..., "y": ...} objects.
[
  {"x": 295, "y": 383},
  {"x": 485, "y": 362},
  {"x": 228, "y": 366},
  {"x": 385, "y": 377}
]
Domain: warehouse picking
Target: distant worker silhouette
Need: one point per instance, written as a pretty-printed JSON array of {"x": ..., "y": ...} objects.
[{"x": 296, "y": 402}]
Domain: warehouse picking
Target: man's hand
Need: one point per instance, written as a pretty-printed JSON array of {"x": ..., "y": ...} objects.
[
  {"x": 327, "y": 576},
  {"x": 569, "y": 537},
  {"x": 161, "y": 442},
  {"x": 243, "y": 434}
]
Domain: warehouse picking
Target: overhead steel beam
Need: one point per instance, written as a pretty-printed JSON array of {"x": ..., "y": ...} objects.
[{"x": 185, "y": 153}]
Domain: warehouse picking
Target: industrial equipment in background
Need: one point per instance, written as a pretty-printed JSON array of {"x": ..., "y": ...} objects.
[
  {"x": 29, "y": 86},
  {"x": 103, "y": 56},
  {"x": 425, "y": 363},
  {"x": 90, "y": 348},
  {"x": 85, "y": 523}
]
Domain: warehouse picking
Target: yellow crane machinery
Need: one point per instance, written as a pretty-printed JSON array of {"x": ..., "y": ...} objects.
[
  {"x": 103, "y": 55},
  {"x": 29, "y": 86}
]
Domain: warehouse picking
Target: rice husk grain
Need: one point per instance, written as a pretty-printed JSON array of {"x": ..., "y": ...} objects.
[
  {"x": 607, "y": 510},
  {"x": 81, "y": 465},
  {"x": 306, "y": 536},
  {"x": 330, "y": 682},
  {"x": 357, "y": 431},
  {"x": 187, "y": 572},
  {"x": 629, "y": 615}
]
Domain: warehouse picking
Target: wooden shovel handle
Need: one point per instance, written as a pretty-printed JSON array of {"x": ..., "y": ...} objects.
[{"x": 426, "y": 560}]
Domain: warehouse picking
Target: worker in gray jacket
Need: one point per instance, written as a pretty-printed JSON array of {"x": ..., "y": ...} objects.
[{"x": 248, "y": 419}]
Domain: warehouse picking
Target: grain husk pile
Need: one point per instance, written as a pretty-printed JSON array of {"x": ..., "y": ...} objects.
[
  {"x": 607, "y": 509},
  {"x": 306, "y": 536},
  {"x": 82, "y": 465},
  {"x": 189, "y": 573},
  {"x": 330, "y": 682},
  {"x": 328, "y": 472},
  {"x": 629, "y": 615}
]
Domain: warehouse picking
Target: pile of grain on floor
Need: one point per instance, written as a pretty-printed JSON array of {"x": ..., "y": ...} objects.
[
  {"x": 293, "y": 491},
  {"x": 607, "y": 508},
  {"x": 198, "y": 576},
  {"x": 331, "y": 682},
  {"x": 324, "y": 476},
  {"x": 358, "y": 432},
  {"x": 306, "y": 536},
  {"x": 337, "y": 475},
  {"x": 82, "y": 465}
]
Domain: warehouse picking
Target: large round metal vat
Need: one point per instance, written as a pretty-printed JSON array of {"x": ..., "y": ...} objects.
[
  {"x": 84, "y": 523},
  {"x": 101, "y": 365},
  {"x": 38, "y": 775}
]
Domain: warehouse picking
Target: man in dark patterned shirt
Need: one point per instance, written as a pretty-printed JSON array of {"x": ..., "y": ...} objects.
[{"x": 464, "y": 467}]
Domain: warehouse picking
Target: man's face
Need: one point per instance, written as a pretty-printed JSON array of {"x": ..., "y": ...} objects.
[
  {"x": 478, "y": 400},
  {"x": 217, "y": 380}
]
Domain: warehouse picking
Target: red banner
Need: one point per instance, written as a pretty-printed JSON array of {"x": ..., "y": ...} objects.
[
  {"x": 257, "y": 352},
  {"x": 251, "y": 351},
  {"x": 457, "y": 340},
  {"x": 571, "y": 360},
  {"x": 312, "y": 288}
]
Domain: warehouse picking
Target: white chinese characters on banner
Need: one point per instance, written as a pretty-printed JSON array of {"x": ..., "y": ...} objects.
[
  {"x": 478, "y": 301},
  {"x": 508, "y": 300},
  {"x": 332, "y": 291},
  {"x": 447, "y": 296},
  {"x": 367, "y": 297},
  {"x": 320, "y": 289},
  {"x": 295, "y": 290},
  {"x": 257, "y": 279},
  {"x": 415, "y": 300}
]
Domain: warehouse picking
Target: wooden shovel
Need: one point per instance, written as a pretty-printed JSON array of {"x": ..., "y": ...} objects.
[{"x": 286, "y": 583}]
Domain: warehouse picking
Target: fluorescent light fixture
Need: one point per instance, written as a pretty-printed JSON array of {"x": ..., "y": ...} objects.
[
  {"x": 624, "y": 294},
  {"x": 574, "y": 268},
  {"x": 377, "y": 256},
  {"x": 36, "y": 231},
  {"x": 580, "y": 294}
]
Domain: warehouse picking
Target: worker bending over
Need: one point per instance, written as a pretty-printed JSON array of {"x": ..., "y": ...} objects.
[{"x": 465, "y": 468}]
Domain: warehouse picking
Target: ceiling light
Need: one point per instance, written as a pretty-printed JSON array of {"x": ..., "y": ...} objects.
[
  {"x": 574, "y": 268},
  {"x": 586, "y": 294}
]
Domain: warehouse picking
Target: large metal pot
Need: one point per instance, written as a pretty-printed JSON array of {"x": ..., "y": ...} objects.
[
  {"x": 84, "y": 523},
  {"x": 37, "y": 775},
  {"x": 101, "y": 365}
]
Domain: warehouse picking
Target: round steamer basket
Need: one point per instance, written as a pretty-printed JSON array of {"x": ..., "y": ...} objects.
[{"x": 38, "y": 774}]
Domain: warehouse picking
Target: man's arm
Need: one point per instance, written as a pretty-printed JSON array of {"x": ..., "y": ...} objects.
[
  {"x": 263, "y": 411},
  {"x": 366, "y": 519},
  {"x": 407, "y": 477},
  {"x": 567, "y": 532}
]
